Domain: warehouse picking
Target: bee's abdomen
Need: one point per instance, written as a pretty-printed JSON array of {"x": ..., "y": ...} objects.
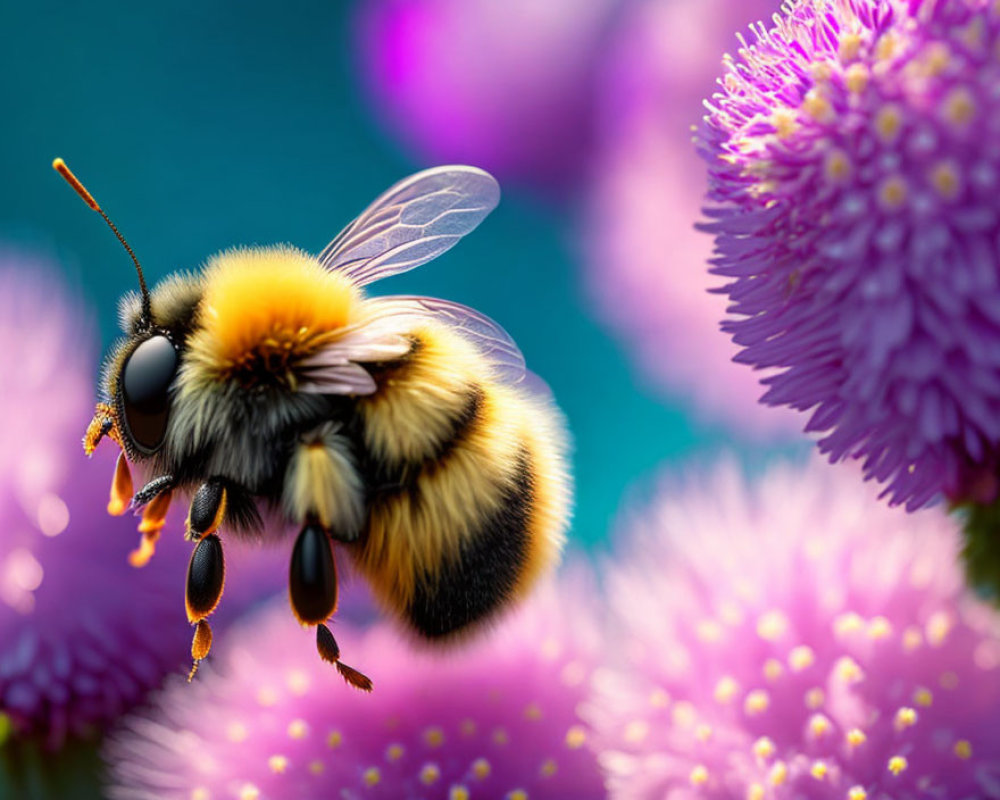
[{"x": 467, "y": 489}]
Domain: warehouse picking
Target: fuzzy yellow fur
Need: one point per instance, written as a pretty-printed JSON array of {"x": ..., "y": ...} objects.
[
  {"x": 323, "y": 482},
  {"x": 267, "y": 299},
  {"x": 416, "y": 404}
]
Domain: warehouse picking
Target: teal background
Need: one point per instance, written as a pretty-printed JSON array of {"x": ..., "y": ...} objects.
[{"x": 199, "y": 126}]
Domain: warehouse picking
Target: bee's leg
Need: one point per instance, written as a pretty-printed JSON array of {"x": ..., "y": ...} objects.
[
  {"x": 208, "y": 507},
  {"x": 205, "y": 579},
  {"x": 312, "y": 587},
  {"x": 121, "y": 488},
  {"x": 155, "y": 496}
]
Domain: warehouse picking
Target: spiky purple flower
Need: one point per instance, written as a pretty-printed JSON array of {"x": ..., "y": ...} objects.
[
  {"x": 797, "y": 639},
  {"x": 854, "y": 198},
  {"x": 506, "y": 86},
  {"x": 496, "y": 718},
  {"x": 83, "y": 635}
]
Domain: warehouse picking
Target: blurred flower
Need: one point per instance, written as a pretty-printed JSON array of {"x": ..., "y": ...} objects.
[
  {"x": 798, "y": 639},
  {"x": 504, "y": 86},
  {"x": 854, "y": 191},
  {"x": 495, "y": 718},
  {"x": 646, "y": 262},
  {"x": 82, "y": 634}
]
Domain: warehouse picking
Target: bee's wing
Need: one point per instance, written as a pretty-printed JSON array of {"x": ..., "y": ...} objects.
[
  {"x": 412, "y": 222},
  {"x": 491, "y": 340}
]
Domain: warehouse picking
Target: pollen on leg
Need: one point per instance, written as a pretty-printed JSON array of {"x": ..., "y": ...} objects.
[{"x": 121, "y": 488}]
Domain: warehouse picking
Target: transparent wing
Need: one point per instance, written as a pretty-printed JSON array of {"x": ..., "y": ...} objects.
[
  {"x": 492, "y": 340},
  {"x": 412, "y": 222}
]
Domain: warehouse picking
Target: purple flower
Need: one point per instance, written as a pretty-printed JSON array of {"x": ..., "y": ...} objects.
[
  {"x": 505, "y": 86},
  {"x": 645, "y": 260},
  {"x": 495, "y": 718},
  {"x": 797, "y": 639},
  {"x": 854, "y": 177},
  {"x": 83, "y": 635}
]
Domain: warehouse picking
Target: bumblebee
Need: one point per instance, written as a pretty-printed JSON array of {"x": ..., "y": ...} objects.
[{"x": 274, "y": 395}]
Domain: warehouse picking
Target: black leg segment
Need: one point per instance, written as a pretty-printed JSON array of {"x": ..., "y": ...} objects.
[
  {"x": 208, "y": 507},
  {"x": 312, "y": 577}
]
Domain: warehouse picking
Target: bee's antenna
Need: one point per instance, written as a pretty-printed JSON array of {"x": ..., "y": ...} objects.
[{"x": 60, "y": 166}]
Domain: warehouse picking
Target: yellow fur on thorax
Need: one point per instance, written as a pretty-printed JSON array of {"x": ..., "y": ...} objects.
[
  {"x": 258, "y": 300},
  {"x": 416, "y": 404}
]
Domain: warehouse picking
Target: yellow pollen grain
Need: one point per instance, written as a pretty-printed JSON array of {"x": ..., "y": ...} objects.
[
  {"x": 636, "y": 731},
  {"x": 879, "y": 628},
  {"x": 277, "y": 764},
  {"x": 778, "y": 774},
  {"x": 481, "y": 769},
  {"x": 703, "y": 733},
  {"x": 549, "y": 768},
  {"x": 429, "y": 773},
  {"x": 576, "y": 737},
  {"x": 963, "y": 749},
  {"x": 334, "y": 739},
  {"x": 517, "y": 794},
  {"x": 266, "y": 696},
  {"x": 819, "y": 770},
  {"x": 772, "y": 626},
  {"x": 459, "y": 793},
  {"x": 935, "y": 58},
  {"x": 298, "y": 729},
  {"x": 897, "y": 764},
  {"x": 972, "y": 34},
  {"x": 201, "y": 793},
  {"x": 856, "y": 737},
  {"x": 434, "y": 737},
  {"x": 850, "y": 46},
  {"x": 886, "y": 47},
  {"x": 756, "y": 702},
  {"x": 892, "y": 193},
  {"x": 817, "y": 106},
  {"x": 821, "y": 72},
  {"x": 699, "y": 775},
  {"x": 756, "y": 791},
  {"x": 773, "y": 669},
  {"x": 394, "y": 752},
  {"x": 905, "y": 718},
  {"x": 888, "y": 122},
  {"x": 948, "y": 680},
  {"x": 923, "y": 697},
  {"x": 658, "y": 698},
  {"x": 316, "y": 767},
  {"x": 801, "y": 658},
  {"x": 959, "y": 107},
  {"x": 371, "y": 776},
  {"x": 763, "y": 747},
  {"x": 500, "y": 737},
  {"x": 684, "y": 714},
  {"x": 819, "y": 725},
  {"x": 856, "y": 78},
  {"x": 849, "y": 622},
  {"x": 944, "y": 178},
  {"x": 298, "y": 682},
  {"x": 533, "y": 712},
  {"x": 708, "y": 630},
  {"x": 912, "y": 639},
  {"x": 815, "y": 698},
  {"x": 784, "y": 123},
  {"x": 857, "y": 793},
  {"x": 249, "y": 792},
  {"x": 937, "y": 628},
  {"x": 237, "y": 732},
  {"x": 726, "y": 690}
]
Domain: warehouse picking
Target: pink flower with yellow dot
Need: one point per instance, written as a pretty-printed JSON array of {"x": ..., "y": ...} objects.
[
  {"x": 854, "y": 199},
  {"x": 797, "y": 640},
  {"x": 495, "y": 718}
]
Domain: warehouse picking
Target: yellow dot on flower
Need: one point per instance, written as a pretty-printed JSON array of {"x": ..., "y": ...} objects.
[
  {"x": 316, "y": 767},
  {"x": 959, "y": 107},
  {"x": 755, "y": 791},
  {"x": 394, "y": 752},
  {"x": 467, "y": 727},
  {"x": 773, "y": 669},
  {"x": 636, "y": 731},
  {"x": 334, "y": 739},
  {"x": 857, "y": 793},
  {"x": 763, "y": 747},
  {"x": 819, "y": 725},
  {"x": 819, "y": 770},
  {"x": 856, "y": 78},
  {"x": 821, "y": 72},
  {"x": 847, "y": 623},
  {"x": 298, "y": 682},
  {"x": 517, "y": 794},
  {"x": 708, "y": 630},
  {"x": 886, "y": 46},
  {"x": 937, "y": 628},
  {"x": 756, "y": 702},
  {"x": 897, "y": 764},
  {"x": 277, "y": 764},
  {"x": 500, "y": 737},
  {"x": 266, "y": 696},
  {"x": 458, "y": 793},
  {"x": 249, "y": 792},
  {"x": 576, "y": 737},
  {"x": 888, "y": 122},
  {"x": 659, "y": 698},
  {"x": 481, "y": 769},
  {"x": 237, "y": 732},
  {"x": 856, "y": 737},
  {"x": 201, "y": 793},
  {"x": 892, "y": 193},
  {"x": 549, "y": 768},
  {"x": 817, "y": 106},
  {"x": 815, "y": 698},
  {"x": 429, "y": 773},
  {"x": 784, "y": 122},
  {"x": 879, "y": 628},
  {"x": 905, "y": 718},
  {"x": 434, "y": 737},
  {"x": 935, "y": 58},
  {"x": 778, "y": 774},
  {"x": 772, "y": 625},
  {"x": 912, "y": 639},
  {"x": 945, "y": 179},
  {"x": 850, "y": 46},
  {"x": 923, "y": 697},
  {"x": 533, "y": 712},
  {"x": 699, "y": 775},
  {"x": 298, "y": 729},
  {"x": 801, "y": 658},
  {"x": 703, "y": 733},
  {"x": 726, "y": 690},
  {"x": 371, "y": 776},
  {"x": 963, "y": 749},
  {"x": 948, "y": 680}
]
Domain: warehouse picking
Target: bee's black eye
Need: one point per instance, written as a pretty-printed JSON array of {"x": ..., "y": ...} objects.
[{"x": 146, "y": 377}]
